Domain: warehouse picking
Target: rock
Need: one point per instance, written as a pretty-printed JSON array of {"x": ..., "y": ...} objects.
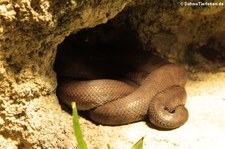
[{"x": 30, "y": 31}]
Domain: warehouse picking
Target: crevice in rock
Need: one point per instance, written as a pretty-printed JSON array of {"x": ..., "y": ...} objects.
[
  {"x": 210, "y": 56},
  {"x": 106, "y": 45}
]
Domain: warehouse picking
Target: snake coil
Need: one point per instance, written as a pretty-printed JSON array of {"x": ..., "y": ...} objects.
[{"x": 116, "y": 94}]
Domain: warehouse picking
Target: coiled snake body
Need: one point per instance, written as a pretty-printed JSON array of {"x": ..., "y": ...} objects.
[{"x": 153, "y": 89}]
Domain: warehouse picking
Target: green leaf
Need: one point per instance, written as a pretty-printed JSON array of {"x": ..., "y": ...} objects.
[
  {"x": 139, "y": 144},
  {"x": 76, "y": 126}
]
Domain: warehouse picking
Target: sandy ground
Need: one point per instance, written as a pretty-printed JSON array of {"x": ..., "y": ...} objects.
[{"x": 205, "y": 128}]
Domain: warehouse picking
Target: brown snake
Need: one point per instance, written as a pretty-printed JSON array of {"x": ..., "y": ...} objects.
[{"x": 116, "y": 94}]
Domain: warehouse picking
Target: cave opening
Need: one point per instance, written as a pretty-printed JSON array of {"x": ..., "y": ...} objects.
[
  {"x": 111, "y": 48},
  {"x": 103, "y": 52}
]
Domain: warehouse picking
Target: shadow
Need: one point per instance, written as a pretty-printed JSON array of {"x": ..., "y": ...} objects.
[{"x": 104, "y": 52}]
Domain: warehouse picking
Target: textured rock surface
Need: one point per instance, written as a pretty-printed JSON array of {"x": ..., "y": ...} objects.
[
  {"x": 179, "y": 32},
  {"x": 30, "y": 32}
]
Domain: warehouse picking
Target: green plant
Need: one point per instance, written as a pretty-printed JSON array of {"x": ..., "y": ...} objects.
[
  {"x": 138, "y": 144},
  {"x": 76, "y": 127},
  {"x": 78, "y": 134}
]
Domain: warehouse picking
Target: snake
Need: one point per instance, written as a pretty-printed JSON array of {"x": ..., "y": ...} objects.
[{"x": 120, "y": 90}]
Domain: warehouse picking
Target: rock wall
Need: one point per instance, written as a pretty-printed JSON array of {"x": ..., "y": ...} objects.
[
  {"x": 180, "y": 32},
  {"x": 30, "y": 31}
]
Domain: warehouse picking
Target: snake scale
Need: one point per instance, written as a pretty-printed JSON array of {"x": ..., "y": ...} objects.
[{"x": 117, "y": 90}]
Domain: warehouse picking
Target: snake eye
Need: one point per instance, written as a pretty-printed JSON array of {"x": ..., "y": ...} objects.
[{"x": 169, "y": 110}]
